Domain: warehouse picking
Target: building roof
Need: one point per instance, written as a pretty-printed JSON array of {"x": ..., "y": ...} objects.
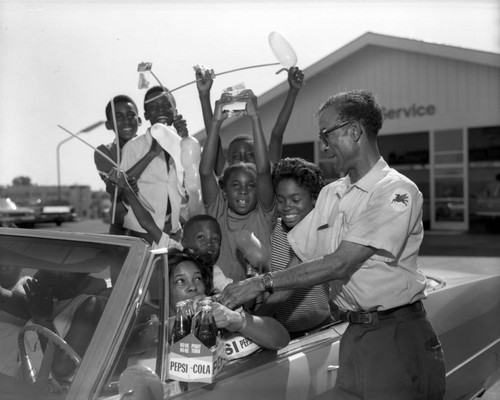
[
  {"x": 387, "y": 41},
  {"x": 393, "y": 42}
]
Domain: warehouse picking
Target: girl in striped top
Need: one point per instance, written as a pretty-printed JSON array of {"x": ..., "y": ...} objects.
[{"x": 297, "y": 184}]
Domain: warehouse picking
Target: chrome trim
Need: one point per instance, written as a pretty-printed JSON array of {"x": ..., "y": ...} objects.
[{"x": 472, "y": 357}]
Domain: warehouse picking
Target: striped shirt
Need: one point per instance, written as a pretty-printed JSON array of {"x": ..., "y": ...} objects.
[{"x": 306, "y": 308}]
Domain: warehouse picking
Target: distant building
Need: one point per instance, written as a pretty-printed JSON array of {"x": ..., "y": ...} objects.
[{"x": 442, "y": 120}]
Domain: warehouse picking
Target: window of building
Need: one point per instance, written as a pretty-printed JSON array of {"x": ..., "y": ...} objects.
[
  {"x": 408, "y": 153},
  {"x": 303, "y": 150},
  {"x": 484, "y": 176}
]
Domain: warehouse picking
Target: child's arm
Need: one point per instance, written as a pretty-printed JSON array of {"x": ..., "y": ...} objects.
[
  {"x": 143, "y": 216},
  {"x": 295, "y": 80},
  {"x": 209, "y": 185},
  {"x": 138, "y": 168},
  {"x": 265, "y": 188},
  {"x": 204, "y": 84}
]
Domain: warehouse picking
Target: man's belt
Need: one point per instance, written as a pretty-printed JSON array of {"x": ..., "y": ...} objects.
[{"x": 373, "y": 317}]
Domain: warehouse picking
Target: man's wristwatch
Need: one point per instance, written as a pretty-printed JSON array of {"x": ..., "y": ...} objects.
[{"x": 268, "y": 281}]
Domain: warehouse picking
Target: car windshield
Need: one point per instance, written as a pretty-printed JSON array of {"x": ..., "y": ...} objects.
[
  {"x": 51, "y": 288},
  {"x": 7, "y": 204}
]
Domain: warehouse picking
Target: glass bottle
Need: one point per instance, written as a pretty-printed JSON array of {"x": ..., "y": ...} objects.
[
  {"x": 189, "y": 309},
  {"x": 207, "y": 330},
  {"x": 182, "y": 324}
]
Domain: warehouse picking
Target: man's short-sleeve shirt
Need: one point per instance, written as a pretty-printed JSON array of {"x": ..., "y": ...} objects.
[{"x": 382, "y": 210}]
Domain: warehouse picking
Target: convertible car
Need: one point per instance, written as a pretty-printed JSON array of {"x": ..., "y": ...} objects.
[{"x": 463, "y": 303}]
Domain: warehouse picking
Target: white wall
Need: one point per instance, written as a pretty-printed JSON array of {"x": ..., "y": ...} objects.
[{"x": 463, "y": 94}]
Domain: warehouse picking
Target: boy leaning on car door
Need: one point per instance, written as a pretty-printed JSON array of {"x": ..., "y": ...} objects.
[{"x": 363, "y": 237}]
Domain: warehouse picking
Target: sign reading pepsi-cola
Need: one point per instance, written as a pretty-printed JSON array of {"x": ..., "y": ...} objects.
[{"x": 189, "y": 360}]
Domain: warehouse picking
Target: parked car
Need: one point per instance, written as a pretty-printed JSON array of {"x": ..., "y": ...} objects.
[
  {"x": 57, "y": 214},
  {"x": 463, "y": 304},
  {"x": 51, "y": 213},
  {"x": 10, "y": 213}
]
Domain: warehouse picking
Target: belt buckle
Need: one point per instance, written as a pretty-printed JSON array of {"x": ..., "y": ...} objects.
[{"x": 363, "y": 317}]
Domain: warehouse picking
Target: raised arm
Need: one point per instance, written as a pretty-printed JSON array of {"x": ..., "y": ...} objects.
[
  {"x": 264, "y": 182},
  {"x": 295, "y": 80},
  {"x": 209, "y": 184},
  {"x": 204, "y": 83}
]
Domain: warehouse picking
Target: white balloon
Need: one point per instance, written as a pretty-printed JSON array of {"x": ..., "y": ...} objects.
[
  {"x": 190, "y": 160},
  {"x": 282, "y": 49},
  {"x": 190, "y": 152}
]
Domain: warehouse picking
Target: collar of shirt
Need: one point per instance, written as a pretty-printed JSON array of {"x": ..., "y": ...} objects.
[{"x": 367, "y": 182}]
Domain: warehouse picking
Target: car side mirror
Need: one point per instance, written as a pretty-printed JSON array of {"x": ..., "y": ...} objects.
[{"x": 138, "y": 382}]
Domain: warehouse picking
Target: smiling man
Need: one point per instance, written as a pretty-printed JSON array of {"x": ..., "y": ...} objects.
[{"x": 363, "y": 236}]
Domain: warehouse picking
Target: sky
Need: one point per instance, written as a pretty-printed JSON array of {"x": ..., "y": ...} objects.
[{"x": 62, "y": 61}]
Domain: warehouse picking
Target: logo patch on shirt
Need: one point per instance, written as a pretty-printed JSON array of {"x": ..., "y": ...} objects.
[{"x": 400, "y": 200}]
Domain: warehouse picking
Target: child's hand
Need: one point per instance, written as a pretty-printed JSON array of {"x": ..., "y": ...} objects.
[
  {"x": 295, "y": 78},
  {"x": 123, "y": 182},
  {"x": 132, "y": 182},
  {"x": 219, "y": 115},
  {"x": 226, "y": 318},
  {"x": 204, "y": 81},
  {"x": 180, "y": 125},
  {"x": 251, "y": 99}
]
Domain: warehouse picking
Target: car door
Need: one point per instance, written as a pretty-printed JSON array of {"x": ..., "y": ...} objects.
[{"x": 305, "y": 369}]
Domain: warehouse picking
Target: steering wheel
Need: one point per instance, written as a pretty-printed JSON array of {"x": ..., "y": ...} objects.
[{"x": 42, "y": 377}]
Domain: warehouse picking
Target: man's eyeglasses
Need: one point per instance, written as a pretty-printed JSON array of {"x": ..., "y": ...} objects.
[{"x": 323, "y": 134}]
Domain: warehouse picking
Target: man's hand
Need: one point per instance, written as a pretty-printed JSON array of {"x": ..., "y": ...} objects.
[
  {"x": 180, "y": 125},
  {"x": 241, "y": 292},
  {"x": 40, "y": 302}
]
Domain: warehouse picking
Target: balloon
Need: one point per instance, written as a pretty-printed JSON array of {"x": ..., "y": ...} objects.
[
  {"x": 169, "y": 140},
  {"x": 282, "y": 49},
  {"x": 190, "y": 161},
  {"x": 254, "y": 252},
  {"x": 190, "y": 152}
]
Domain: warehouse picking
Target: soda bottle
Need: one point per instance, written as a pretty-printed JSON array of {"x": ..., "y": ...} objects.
[
  {"x": 189, "y": 309},
  {"x": 182, "y": 325},
  {"x": 207, "y": 301},
  {"x": 207, "y": 330}
]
